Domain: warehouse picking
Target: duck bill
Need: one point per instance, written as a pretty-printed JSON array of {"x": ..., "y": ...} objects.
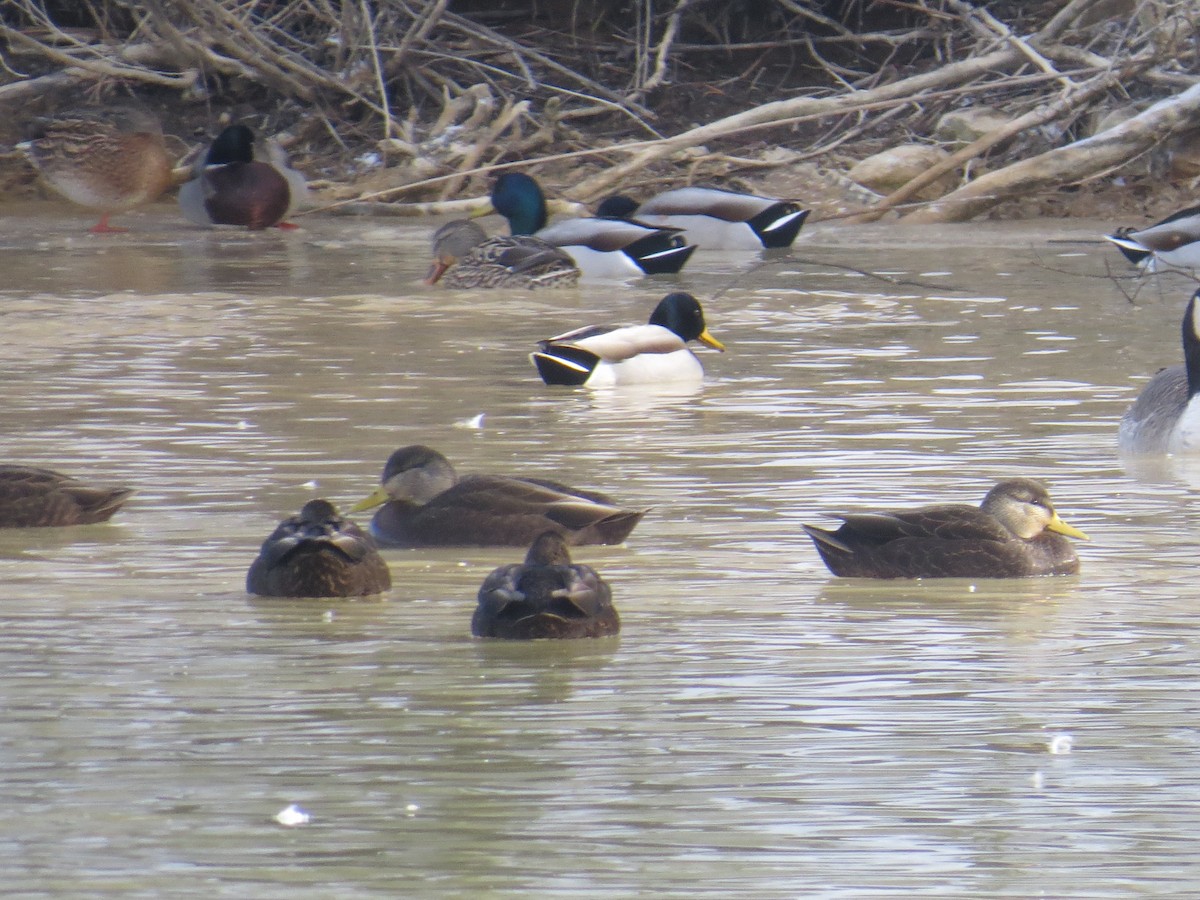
[
  {"x": 378, "y": 498},
  {"x": 485, "y": 210},
  {"x": 436, "y": 270},
  {"x": 709, "y": 341},
  {"x": 1058, "y": 525}
]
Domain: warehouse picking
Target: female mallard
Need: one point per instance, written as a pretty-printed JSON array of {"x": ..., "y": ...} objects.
[
  {"x": 110, "y": 160},
  {"x": 602, "y": 248},
  {"x": 465, "y": 257},
  {"x": 31, "y": 497},
  {"x": 1165, "y": 417},
  {"x": 545, "y": 597},
  {"x": 318, "y": 554},
  {"x": 715, "y": 219},
  {"x": 1174, "y": 241},
  {"x": 426, "y": 504},
  {"x": 1008, "y": 536},
  {"x": 600, "y": 356},
  {"x": 235, "y": 184}
]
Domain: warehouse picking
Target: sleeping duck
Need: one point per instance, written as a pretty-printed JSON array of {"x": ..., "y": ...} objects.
[
  {"x": 242, "y": 181},
  {"x": 1165, "y": 417},
  {"x": 111, "y": 160},
  {"x": 603, "y": 356},
  {"x": 318, "y": 554},
  {"x": 426, "y": 504},
  {"x": 465, "y": 257},
  {"x": 715, "y": 219},
  {"x": 1014, "y": 533},
  {"x": 1174, "y": 241},
  {"x": 602, "y": 248},
  {"x": 547, "y": 596},
  {"x": 32, "y": 497}
]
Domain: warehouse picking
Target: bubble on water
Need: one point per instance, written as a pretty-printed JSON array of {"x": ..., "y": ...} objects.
[
  {"x": 1060, "y": 744},
  {"x": 293, "y": 816}
]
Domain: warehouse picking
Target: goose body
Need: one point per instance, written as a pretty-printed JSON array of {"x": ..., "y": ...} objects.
[
  {"x": 603, "y": 356},
  {"x": 1165, "y": 417},
  {"x": 424, "y": 503},
  {"x": 110, "y": 160},
  {"x": 241, "y": 181},
  {"x": 601, "y": 248},
  {"x": 465, "y": 257},
  {"x": 1175, "y": 241},
  {"x": 1014, "y": 533},
  {"x": 318, "y": 554},
  {"x": 546, "y": 596},
  {"x": 33, "y": 497},
  {"x": 716, "y": 219}
]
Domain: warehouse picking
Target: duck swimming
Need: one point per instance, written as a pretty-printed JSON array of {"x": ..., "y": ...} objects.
[
  {"x": 236, "y": 184},
  {"x": 112, "y": 160},
  {"x": 601, "y": 248},
  {"x": 318, "y": 554},
  {"x": 547, "y": 596},
  {"x": 465, "y": 257},
  {"x": 715, "y": 219},
  {"x": 32, "y": 497},
  {"x": 1165, "y": 417},
  {"x": 603, "y": 356},
  {"x": 426, "y": 504},
  {"x": 1014, "y": 533},
  {"x": 1174, "y": 241}
]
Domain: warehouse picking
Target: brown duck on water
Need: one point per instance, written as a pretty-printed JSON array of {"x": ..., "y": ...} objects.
[
  {"x": 32, "y": 497},
  {"x": 425, "y": 503},
  {"x": 1014, "y": 533},
  {"x": 465, "y": 257},
  {"x": 318, "y": 554},
  {"x": 547, "y": 596}
]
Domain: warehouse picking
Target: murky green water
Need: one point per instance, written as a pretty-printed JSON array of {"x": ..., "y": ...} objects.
[{"x": 759, "y": 729}]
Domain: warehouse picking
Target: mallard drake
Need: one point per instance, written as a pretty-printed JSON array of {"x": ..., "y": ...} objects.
[
  {"x": 426, "y": 504},
  {"x": 242, "y": 181},
  {"x": 602, "y": 356},
  {"x": 547, "y": 596},
  {"x": 1165, "y": 417},
  {"x": 1014, "y": 533},
  {"x": 465, "y": 257},
  {"x": 602, "y": 248},
  {"x": 32, "y": 497},
  {"x": 318, "y": 554},
  {"x": 715, "y": 219},
  {"x": 1174, "y": 241},
  {"x": 112, "y": 160}
]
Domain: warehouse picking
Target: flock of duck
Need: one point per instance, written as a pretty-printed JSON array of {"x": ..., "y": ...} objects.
[{"x": 116, "y": 161}]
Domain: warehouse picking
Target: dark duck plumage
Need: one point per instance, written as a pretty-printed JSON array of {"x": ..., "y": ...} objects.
[
  {"x": 318, "y": 554},
  {"x": 426, "y": 504},
  {"x": 1014, "y": 533},
  {"x": 547, "y": 596},
  {"x": 31, "y": 497},
  {"x": 465, "y": 257}
]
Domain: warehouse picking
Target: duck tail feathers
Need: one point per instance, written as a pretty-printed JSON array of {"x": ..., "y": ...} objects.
[
  {"x": 778, "y": 224},
  {"x": 564, "y": 364}
]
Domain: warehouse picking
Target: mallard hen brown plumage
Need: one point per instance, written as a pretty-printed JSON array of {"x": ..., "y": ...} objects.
[
  {"x": 546, "y": 596},
  {"x": 1014, "y": 533},
  {"x": 318, "y": 554},
  {"x": 465, "y": 257},
  {"x": 425, "y": 504},
  {"x": 32, "y": 497}
]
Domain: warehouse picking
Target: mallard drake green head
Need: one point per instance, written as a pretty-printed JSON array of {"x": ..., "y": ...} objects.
[
  {"x": 425, "y": 504},
  {"x": 468, "y": 258},
  {"x": 241, "y": 181},
  {"x": 600, "y": 247},
  {"x": 1175, "y": 241},
  {"x": 1014, "y": 533},
  {"x": 1165, "y": 417},
  {"x": 547, "y": 596},
  {"x": 716, "y": 219},
  {"x": 603, "y": 356},
  {"x": 318, "y": 554},
  {"x": 32, "y": 497},
  {"x": 112, "y": 160}
]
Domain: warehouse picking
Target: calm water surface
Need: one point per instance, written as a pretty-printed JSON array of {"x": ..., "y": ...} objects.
[{"x": 759, "y": 729}]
